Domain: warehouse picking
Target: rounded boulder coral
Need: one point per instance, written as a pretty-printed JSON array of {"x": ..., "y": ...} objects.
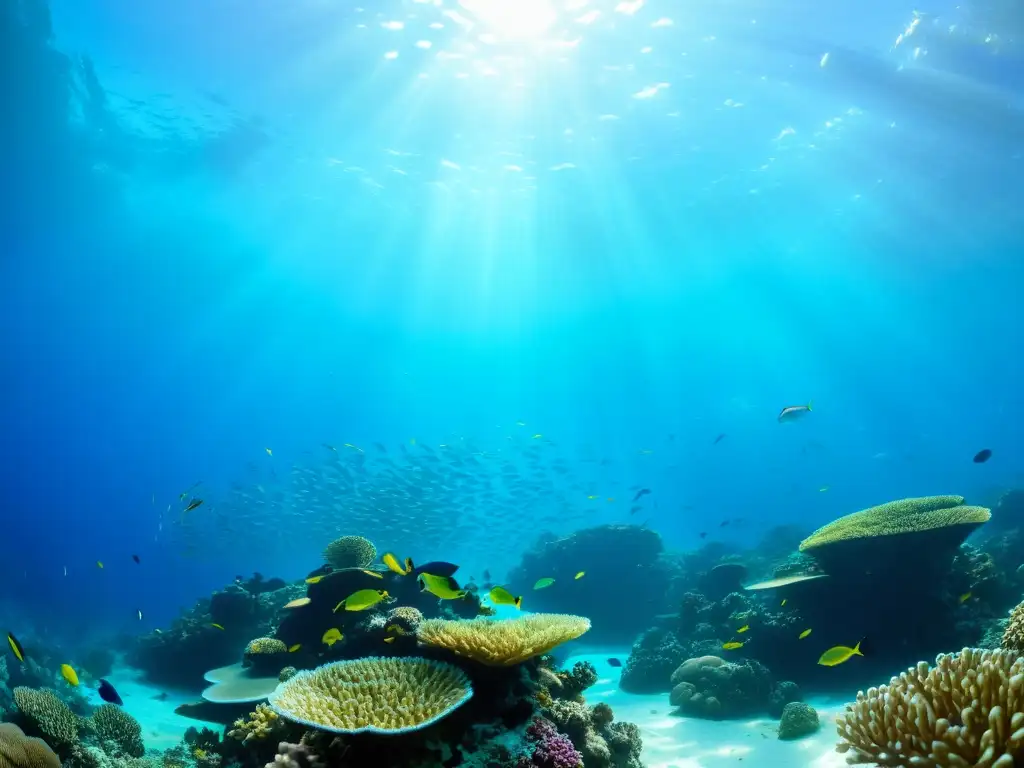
[
  {"x": 374, "y": 694},
  {"x": 1013, "y": 636},
  {"x": 506, "y": 642},
  {"x": 967, "y": 710},
  {"x": 798, "y": 720},
  {"x": 708, "y": 686},
  {"x": 350, "y": 552},
  {"x": 20, "y": 751}
]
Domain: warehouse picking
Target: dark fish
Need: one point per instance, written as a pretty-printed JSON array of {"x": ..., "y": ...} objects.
[
  {"x": 719, "y": 438},
  {"x": 108, "y": 694},
  {"x": 437, "y": 568},
  {"x": 982, "y": 456},
  {"x": 19, "y": 652},
  {"x": 161, "y": 696},
  {"x": 794, "y": 412},
  {"x": 613, "y": 662},
  {"x": 193, "y": 504},
  {"x": 634, "y": 510},
  {"x": 723, "y": 524},
  {"x": 641, "y": 492},
  {"x": 703, "y": 534},
  {"x": 136, "y": 558},
  {"x": 487, "y": 575}
]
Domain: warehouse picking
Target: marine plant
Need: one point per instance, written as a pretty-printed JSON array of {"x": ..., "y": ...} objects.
[
  {"x": 506, "y": 642},
  {"x": 350, "y": 552}
]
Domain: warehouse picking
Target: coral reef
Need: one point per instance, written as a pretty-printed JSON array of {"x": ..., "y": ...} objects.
[
  {"x": 655, "y": 655},
  {"x": 44, "y": 714},
  {"x": 550, "y": 749},
  {"x": 20, "y": 751},
  {"x": 967, "y": 709},
  {"x": 783, "y": 693},
  {"x": 798, "y": 720},
  {"x": 350, "y": 552},
  {"x": 264, "y": 723},
  {"x": 502, "y": 643},
  {"x": 1013, "y": 635},
  {"x": 711, "y": 687},
  {"x": 115, "y": 725}
]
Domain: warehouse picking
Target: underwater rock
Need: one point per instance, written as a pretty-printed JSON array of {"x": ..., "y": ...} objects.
[
  {"x": 783, "y": 693},
  {"x": 654, "y": 657},
  {"x": 798, "y": 720},
  {"x": 711, "y": 687}
]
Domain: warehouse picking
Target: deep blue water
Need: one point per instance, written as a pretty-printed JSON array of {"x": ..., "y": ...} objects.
[{"x": 430, "y": 246}]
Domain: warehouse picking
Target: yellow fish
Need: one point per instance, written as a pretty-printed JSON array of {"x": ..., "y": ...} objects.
[
  {"x": 439, "y": 586},
  {"x": 99, "y": 564},
  {"x": 393, "y": 565},
  {"x": 69, "y": 674},
  {"x": 611, "y": 498},
  {"x": 217, "y": 626},
  {"x": 396, "y": 629},
  {"x": 363, "y": 599},
  {"x": 294, "y": 648},
  {"x": 374, "y": 574},
  {"x": 783, "y": 602},
  {"x": 19, "y": 652},
  {"x": 580, "y": 575},
  {"x": 547, "y": 581},
  {"x": 389, "y": 639},
  {"x": 805, "y": 633},
  {"x": 742, "y": 629},
  {"x": 314, "y": 579},
  {"x": 838, "y": 655},
  {"x": 501, "y": 596},
  {"x": 269, "y": 452},
  {"x": 520, "y": 423},
  {"x": 965, "y": 597},
  {"x": 298, "y": 602},
  {"x": 732, "y": 645},
  {"x": 331, "y": 636}
]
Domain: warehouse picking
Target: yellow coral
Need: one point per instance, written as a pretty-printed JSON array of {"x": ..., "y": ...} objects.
[
  {"x": 50, "y": 716},
  {"x": 262, "y": 723},
  {"x": 20, "y": 751},
  {"x": 967, "y": 710},
  {"x": 265, "y": 645},
  {"x": 374, "y": 694},
  {"x": 1013, "y": 637},
  {"x": 350, "y": 552},
  {"x": 896, "y": 517},
  {"x": 506, "y": 642}
]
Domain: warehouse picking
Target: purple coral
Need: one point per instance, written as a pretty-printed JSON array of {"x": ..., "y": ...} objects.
[{"x": 551, "y": 749}]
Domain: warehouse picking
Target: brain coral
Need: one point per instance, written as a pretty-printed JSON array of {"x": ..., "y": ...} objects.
[
  {"x": 50, "y": 716},
  {"x": 265, "y": 645},
  {"x": 114, "y": 724},
  {"x": 967, "y": 710},
  {"x": 350, "y": 552},
  {"x": 20, "y": 751},
  {"x": 1013, "y": 637},
  {"x": 375, "y": 694},
  {"x": 506, "y": 642}
]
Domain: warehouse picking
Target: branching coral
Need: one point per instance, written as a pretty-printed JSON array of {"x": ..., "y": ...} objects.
[
  {"x": 376, "y": 694},
  {"x": 350, "y": 552},
  {"x": 20, "y": 751},
  {"x": 967, "y": 710},
  {"x": 1013, "y": 636},
  {"x": 48, "y": 715},
  {"x": 263, "y": 723},
  {"x": 114, "y": 724},
  {"x": 503, "y": 643}
]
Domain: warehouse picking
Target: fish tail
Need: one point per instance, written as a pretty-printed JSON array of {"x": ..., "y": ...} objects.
[
  {"x": 519, "y": 603},
  {"x": 809, "y": 403},
  {"x": 856, "y": 648},
  {"x": 409, "y": 567}
]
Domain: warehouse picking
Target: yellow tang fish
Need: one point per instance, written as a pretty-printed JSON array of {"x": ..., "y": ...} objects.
[
  {"x": 393, "y": 565},
  {"x": 217, "y": 626},
  {"x": 396, "y": 629},
  {"x": 69, "y": 674},
  {"x": 298, "y": 602},
  {"x": 732, "y": 645},
  {"x": 501, "y": 596},
  {"x": 373, "y": 573},
  {"x": 439, "y": 586},
  {"x": 547, "y": 581},
  {"x": 742, "y": 629},
  {"x": 294, "y": 648},
  {"x": 19, "y": 652},
  {"x": 965, "y": 597},
  {"x": 331, "y": 636},
  {"x": 389, "y": 639},
  {"x": 805, "y": 633},
  {"x": 783, "y": 603},
  {"x": 580, "y": 575},
  {"x": 314, "y": 579},
  {"x": 363, "y": 599},
  {"x": 838, "y": 655}
]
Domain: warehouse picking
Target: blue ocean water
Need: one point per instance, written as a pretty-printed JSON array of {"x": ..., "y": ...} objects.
[{"x": 242, "y": 237}]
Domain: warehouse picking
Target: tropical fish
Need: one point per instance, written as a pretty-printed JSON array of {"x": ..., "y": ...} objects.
[
  {"x": 108, "y": 693},
  {"x": 501, "y": 596},
  {"x": 547, "y": 581},
  {"x": 298, "y": 602},
  {"x": 613, "y": 662},
  {"x": 732, "y": 645},
  {"x": 434, "y": 568},
  {"x": 823, "y": 489},
  {"x": 99, "y": 564},
  {"x": 140, "y": 614},
  {"x": 184, "y": 494},
  {"x": 136, "y": 559},
  {"x": 965, "y": 597},
  {"x": 742, "y": 629},
  {"x": 783, "y": 603},
  {"x": 393, "y": 565},
  {"x": 217, "y": 626},
  {"x": 838, "y": 655},
  {"x": 805, "y": 633},
  {"x": 794, "y": 412},
  {"x": 269, "y": 452},
  {"x": 439, "y": 586},
  {"x": 315, "y": 579},
  {"x": 537, "y": 437},
  {"x": 396, "y": 629},
  {"x": 640, "y": 493},
  {"x": 720, "y": 438},
  {"x": 361, "y": 600},
  {"x": 580, "y": 575},
  {"x": 592, "y": 496},
  {"x": 389, "y": 639},
  {"x": 331, "y": 636},
  {"x": 982, "y": 456},
  {"x": 19, "y": 652},
  {"x": 194, "y": 504},
  {"x": 375, "y": 574},
  {"x": 294, "y": 648},
  {"x": 69, "y": 674}
]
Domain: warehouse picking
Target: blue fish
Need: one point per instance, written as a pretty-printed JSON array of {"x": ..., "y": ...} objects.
[
  {"x": 437, "y": 568},
  {"x": 108, "y": 694}
]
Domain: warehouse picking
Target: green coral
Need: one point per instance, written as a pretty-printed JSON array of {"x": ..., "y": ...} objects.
[
  {"x": 798, "y": 719},
  {"x": 350, "y": 552},
  {"x": 115, "y": 725},
  {"x": 47, "y": 715}
]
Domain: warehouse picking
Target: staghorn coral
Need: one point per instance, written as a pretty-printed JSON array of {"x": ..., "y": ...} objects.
[
  {"x": 1013, "y": 635},
  {"x": 967, "y": 710},
  {"x": 350, "y": 552},
  {"x": 506, "y": 642},
  {"x": 263, "y": 723},
  {"x": 48, "y": 716},
  {"x": 375, "y": 694},
  {"x": 115, "y": 725},
  {"x": 798, "y": 720},
  {"x": 20, "y": 751}
]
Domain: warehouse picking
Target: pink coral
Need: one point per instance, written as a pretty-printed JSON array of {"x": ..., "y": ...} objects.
[{"x": 551, "y": 749}]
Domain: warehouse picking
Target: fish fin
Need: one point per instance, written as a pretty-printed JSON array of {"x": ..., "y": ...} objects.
[
  {"x": 856, "y": 648},
  {"x": 809, "y": 403},
  {"x": 519, "y": 603}
]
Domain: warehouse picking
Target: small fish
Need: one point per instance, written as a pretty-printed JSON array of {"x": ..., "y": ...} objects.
[
  {"x": 611, "y": 498},
  {"x": 331, "y": 636},
  {"x": 65, "y": 570},
  {"x": 69, "y": 674},
  {"x": 537, "y": 437},
  {"x": 742, "y": 629},
  {"x": 269, "y": 452},
  {"x": 723, "y": 524},
  {"x": 501, "y": 596},
  {"x": 393, "y": 565},
  {"x": 965, "y": 597},
  {"x": 140, "y": 614},
  {"x": 389, "y": 639},
  {"x": 982, "y": 456},
  {"x": 823, "y": 489},
  {"x": 732, "y": 645},
  {"x": 580, "y": 575},
  {"x": 217, "y": 626},
  {"x": 162, "y": 696},
  {"x": 520, "y": 423},
  {"x": 396, "y": 629},
  {"x": 99, "y": 564},
  {"x": 136, "y": 559},
  {"x": 108, "y": 694},
  {"x": 363, "y": 599},
  {"x": 329, "y": 447},
  {"x": 375, "y": 574},
  {"x": 19, "y": 652},
  {"x": 838, "y": 655},
  {"x": 439, "y": 586},
  {"x": 634, "y": 509},
  {"x": 719, "y": 439},
  {"x": 640, "y": 494},
  {"x": 547, "y": 581},
  {"x": 294, "y": 648},
  {"x": 354, "y": 447},
  {"x": 783, "y": 602},
  {"x": 314, "y": 579},
  {"x": 613, "y": 662},
  {"x": 794, "y": 412},
  {"x": 434, "y": 567},
  {"x": 194, "y": 504},
  {"x": 703, "y": 534},
  {"x": 592, "y": 497},
  {"x": 298, "y": 602},
  {"x": 805, "y": 633}
]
